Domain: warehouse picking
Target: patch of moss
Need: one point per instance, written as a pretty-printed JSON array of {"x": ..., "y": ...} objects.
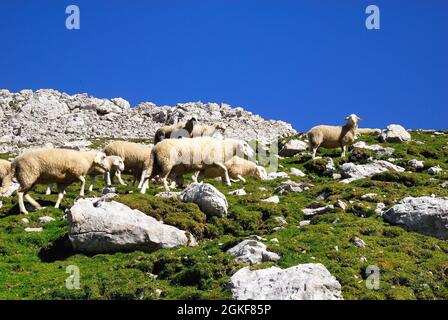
[{"x": 408, "y": 179}]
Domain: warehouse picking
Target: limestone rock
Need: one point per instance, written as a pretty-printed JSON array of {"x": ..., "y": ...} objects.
[
  {"x": 253, "y": 252},
  {"x": 207, "y": 197}
]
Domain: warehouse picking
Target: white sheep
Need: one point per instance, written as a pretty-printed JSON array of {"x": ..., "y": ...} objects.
[
  {"x": 369, "y": 131},
  {"x": 333, "y": 136},
  {"x": 136, "y": 157},
  {"x": 207, "y": 130},
  {"x": 174, "y": 131},
  {"x": 237, "y": 167},
  {"x": 178, "y": 156},
  {"x": 5, "y": 174},
  {"x": 60, "y": 166}
]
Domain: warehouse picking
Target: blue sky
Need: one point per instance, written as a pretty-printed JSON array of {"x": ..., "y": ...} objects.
[{"x": 304, "y": 62}]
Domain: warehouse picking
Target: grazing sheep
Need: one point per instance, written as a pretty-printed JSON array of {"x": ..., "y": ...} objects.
[
  {"x": 333, "y": 136},
  {"x": 136, "y": 157},
  {"x": 237, "y": 168},
  {"x": 207, "y": 130},
  {"x": 112, "y": 164},
  {"x": 370, "y": 131},
  {"x": 60, "y": 166},
  {"x": 181, "y": 129},
  {"x": 5, "y": 175},
  {"x": 178, "y": 156}
]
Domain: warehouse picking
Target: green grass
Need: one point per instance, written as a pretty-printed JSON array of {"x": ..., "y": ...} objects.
[{"x": 412, "y": 266}]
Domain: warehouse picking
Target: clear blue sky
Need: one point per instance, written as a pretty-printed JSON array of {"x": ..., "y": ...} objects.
[{"x": 305, "y": 62}]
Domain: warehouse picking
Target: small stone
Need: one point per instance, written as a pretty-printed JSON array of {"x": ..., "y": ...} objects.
[
  {"x": 275, "y": 240},
  {"x": 238, "y": 192},
  {"x": 158, "y": 293},
  {"x": 358, "y": 242},
  {"x": 341, "y": 204},
  {"x": 363, "y": 259},
  {"x": 296, "y": 172},
  {"x": 368, "y": 196},
  {"x": 336, "y": 176},
  {"x": 33, "y": 229},
  {"x": 280, "y": 220},
  {"x": 304, "y": 223},
  {"x": 25, "y": 220},
  {"x": 321, "y": 210},
  {"x": 435, "y": 170},
  {"x": 45, "y": 219},
  {"x": 273, "y": 199}
]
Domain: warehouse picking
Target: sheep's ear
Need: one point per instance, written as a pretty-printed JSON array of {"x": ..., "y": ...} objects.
[{"x": 346, "y": 118}]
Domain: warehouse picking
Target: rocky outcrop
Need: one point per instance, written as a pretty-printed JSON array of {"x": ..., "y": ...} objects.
[
  {"x": 353, "y": 172},
  {"x": 97, "y": 226},
  {"x": 293, "y": 147},
  {"x": 209, "y": 199},
  {"x": 252, "y": 252},
  {"x": 28, "y": 117},
  {"x": 310, "y": 281},
  {"x": 426, "y": 215},
  {"x": 395, "y": 133}
]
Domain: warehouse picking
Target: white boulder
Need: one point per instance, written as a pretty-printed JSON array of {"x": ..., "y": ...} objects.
[
  {"x": 395, "y": 133},
  {"x": 253, "y": 252},
  {"x": 207, "y": 197}
]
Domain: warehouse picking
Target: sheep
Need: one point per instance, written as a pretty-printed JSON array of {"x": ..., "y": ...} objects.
[
  {"x": 5, "y": 175},
  {"x": 237, "y": 168},
  {"x": 207, "y": 130},
  {"x": 370, "y": 131},
  {"x": 136, "y": 157},
  {"x": 181, "y": 129},
  {"x": 178, "y": 156},
  {"x": 112, "y": 164},
  {"x": 333, "y": 136},
  {"x": 60, "y": 166}
]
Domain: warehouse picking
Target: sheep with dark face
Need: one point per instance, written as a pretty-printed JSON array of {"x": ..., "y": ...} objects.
[{"x": 334, "y": 136}]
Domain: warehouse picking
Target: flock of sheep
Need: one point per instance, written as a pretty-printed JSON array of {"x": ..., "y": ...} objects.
[{"x": 168, "y": 160}]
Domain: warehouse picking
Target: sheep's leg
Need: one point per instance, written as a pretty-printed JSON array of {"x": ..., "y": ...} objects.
[
  {"x": 145, "y": 186},
  {"x": 142, "y": 178},
  {"x": 83, "y": 185},
  {"x": 21, "y": 203},
  {"x": 226, "y": 174},
  {"x": 314, "y": 152},
  {"x": 120, "y": 180},
  {"x": 108, "y": 180},
  {"x": 61, "y": 189},
  {"x": 48, "y": 191},
  {"x": 344, "y": 149},
  {"x": 241, "y": 178},
  {"x": 33, "y": 202},
  {"x": 201, "y": 176},
  {"x": 179, "y": 181},
  {"x": 194, "y": 176}
]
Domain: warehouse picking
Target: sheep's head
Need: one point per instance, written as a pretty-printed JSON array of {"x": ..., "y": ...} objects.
[
  {"x": 118, "y": 163},
  {"x": 260, "y": 173},
  {"x": 353, "y": 120},
  {"x": 99, "y": 159}
]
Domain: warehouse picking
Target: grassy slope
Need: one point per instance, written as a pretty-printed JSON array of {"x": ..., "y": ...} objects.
[{"x": 413, "y": 266}]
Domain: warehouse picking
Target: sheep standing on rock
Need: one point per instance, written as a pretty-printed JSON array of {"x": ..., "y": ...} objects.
[
  {"x": 174, "y": 131},
  {"x": 136, "y": 158},
  {"x": 179, "y": 156},
  {"x": 60, "y": 166},
  {"x": 237, "y": 168},
  {"x": 5, "y": 174},
  {"x": 333, "y": 136}
]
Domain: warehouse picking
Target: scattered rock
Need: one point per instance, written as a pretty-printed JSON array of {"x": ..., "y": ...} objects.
[
  {"x": 444, "y": 184},
  {"x": 45, "y": 219},
  {"x": 395, "y": 133},
  {"x": 353, "y": 172},
  {"x": 380, "y": 208},
  {"x": 302, "y": 282},
  {"x": 11, "y": 189},
  {"x": 379, "y": 150},
  {"x": 293, "y": 147},
  {"x": 304, "y": 223},
  {"x": 168, "y": 194},
  {"x": 280, "y": 220},
  {"x": 97, "y": 226},
  {"x": 336, "y": 176},
  {"x": 416, "y": 164},
  {"x": 435, "y": 170},
  {"x": 238, "y": 192},
  {"x": 341, "y": 204},
  {"x": 252, "y": 252},
  {"x": 108, "y": 190},
  {"x": 368, "y": 196},
  {"x": 296, "y": 172},
  {"x": 358, "y": 242},
  {"x": 25, "y": 220},
  {"x": 207, "y": 197},
  {"x": 273, "y": 199},
  {"x": 426, "y": 215},
  {"x": 277, "y": 175},
  {"x": 33, "y": 229},
  {"x": 291, "y": 186},
  {"x": 311, "y": 212}
]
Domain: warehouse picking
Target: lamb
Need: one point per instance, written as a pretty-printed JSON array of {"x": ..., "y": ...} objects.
[
  {"x": 333, "y": 136},
  {"x": 5, "y": 174},
  {"x": 60, "y": 166},
  {"x": 178, "y": 156},
  {"x": 136, "y": 157},
  {"x": 181, "y": 129},
  {"x": 237, "y": 168}
]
